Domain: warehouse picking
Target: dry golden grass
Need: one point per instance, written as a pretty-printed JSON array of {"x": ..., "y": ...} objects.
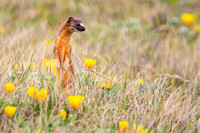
[{"x": 119, "y": 35}]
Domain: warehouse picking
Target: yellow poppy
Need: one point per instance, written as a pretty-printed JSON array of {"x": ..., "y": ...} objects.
[
  {"x": 64, "y": 114},
  {"x": 43, "y": 94},
  {"x": 123, "y": 125},
  {"x": 89, "y": 63},
  {"x": 144, "y": 130},
  {"x": 10, "y": 110},
  {"x": 53, "y": 67},
  {"x": 75, "y": 101},
  {"x": 187, "y": 18},
  {"x": 106, "y": 85},
  {"x": 33, "y": 92},
  {"x": 47, "y": 42},
  {"x": 141, "y": 81},
  {"x": 31, "y": 65},
  {"x": 20, "y": 65},
  {"x": 140, "y": 129},
  {"x": 46, "y": 64},
  {"x": 23, "y": 65},
  {"x": 10, "y": 87}
]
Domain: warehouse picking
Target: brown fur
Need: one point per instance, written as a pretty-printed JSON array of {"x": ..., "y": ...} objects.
[{"x": 62, "y": 54}]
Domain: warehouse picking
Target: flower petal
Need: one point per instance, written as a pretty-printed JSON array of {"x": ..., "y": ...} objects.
[
  {"x": 187, "y": 18},
  {"x": 43, "y": 94},
  {"x": 10, "y": 87},
  {"x": 33, "y": 92},
  {"x": 64, "y": 114},
  {"x": 123, "y": 125},
  {"x": 10, "y": 110},
  {"x": 89, "y": 62},
  {"x": 75, "y": 101}
]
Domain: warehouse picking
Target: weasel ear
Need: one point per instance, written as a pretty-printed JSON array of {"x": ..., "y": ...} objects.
[{"x": 69, "y": 20}]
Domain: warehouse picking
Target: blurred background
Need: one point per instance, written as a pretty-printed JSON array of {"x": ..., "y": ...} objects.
[
  {"x": 137, "y": 37},
  {"x": 151, "y": 48}
]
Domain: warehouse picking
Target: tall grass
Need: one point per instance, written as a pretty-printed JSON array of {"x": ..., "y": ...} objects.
[{"x": 119, "y": 35}]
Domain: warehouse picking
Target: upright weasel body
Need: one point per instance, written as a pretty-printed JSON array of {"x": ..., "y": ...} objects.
[{"x": 62, "y": 53}]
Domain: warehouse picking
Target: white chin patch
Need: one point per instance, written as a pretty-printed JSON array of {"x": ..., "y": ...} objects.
[
  {"x": 75, "y": 30},
  {"x": 81, "y": 24}
]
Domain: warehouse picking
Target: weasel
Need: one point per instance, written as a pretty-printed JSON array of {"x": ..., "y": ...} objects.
[{"x": 62, "y": 53}]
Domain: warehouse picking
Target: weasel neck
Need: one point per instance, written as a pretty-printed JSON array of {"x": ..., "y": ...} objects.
[{"x": 65, "y": 37}]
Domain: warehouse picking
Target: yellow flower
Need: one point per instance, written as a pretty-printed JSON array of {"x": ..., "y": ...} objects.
[
  {"x": 47, "y": 42},
  {"x": 138, "y": 82},
  {"x": 48, "y": 64},
  {"x": 141, "y": 130},
  {"x": 33, "y": 92},
  {"x": 22, "y": 65},
  {"x": 10, "y": 110},
  {"x": 144, "y": 131},
  {"x": 53, "y": 67},
  {"x": 43, "y": 94},
  {"x": 10, "y": 87},
  {"x": 106, "y": 85},
  {"x": 1, "y": 29},
  {"x": 187, "y": 18},
  {"x": 141, "y": 81},
  {"x": 75, "y": 101},
  {"x": 123, "y": 125},
  {"x": 64, "y": 114},
  {"x": 89, "y": 63}
]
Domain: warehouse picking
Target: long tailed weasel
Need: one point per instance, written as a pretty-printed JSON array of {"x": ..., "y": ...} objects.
[{"x": 62, "y": 53}]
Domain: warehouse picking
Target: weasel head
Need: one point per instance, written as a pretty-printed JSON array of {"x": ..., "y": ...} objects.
[{"x": 75, "y": 24}]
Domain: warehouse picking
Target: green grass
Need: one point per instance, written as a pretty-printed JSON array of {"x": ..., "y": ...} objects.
[{"x": 120, "y": 36}]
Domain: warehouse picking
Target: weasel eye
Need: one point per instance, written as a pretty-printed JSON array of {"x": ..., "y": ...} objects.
[{"x": 77, "y": 24}]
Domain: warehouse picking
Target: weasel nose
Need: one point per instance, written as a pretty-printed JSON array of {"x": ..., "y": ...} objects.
[{"x": 83, "y": 28}]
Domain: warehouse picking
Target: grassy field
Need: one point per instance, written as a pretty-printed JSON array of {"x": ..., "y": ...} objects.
[{"x": 154, "y": 66}]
